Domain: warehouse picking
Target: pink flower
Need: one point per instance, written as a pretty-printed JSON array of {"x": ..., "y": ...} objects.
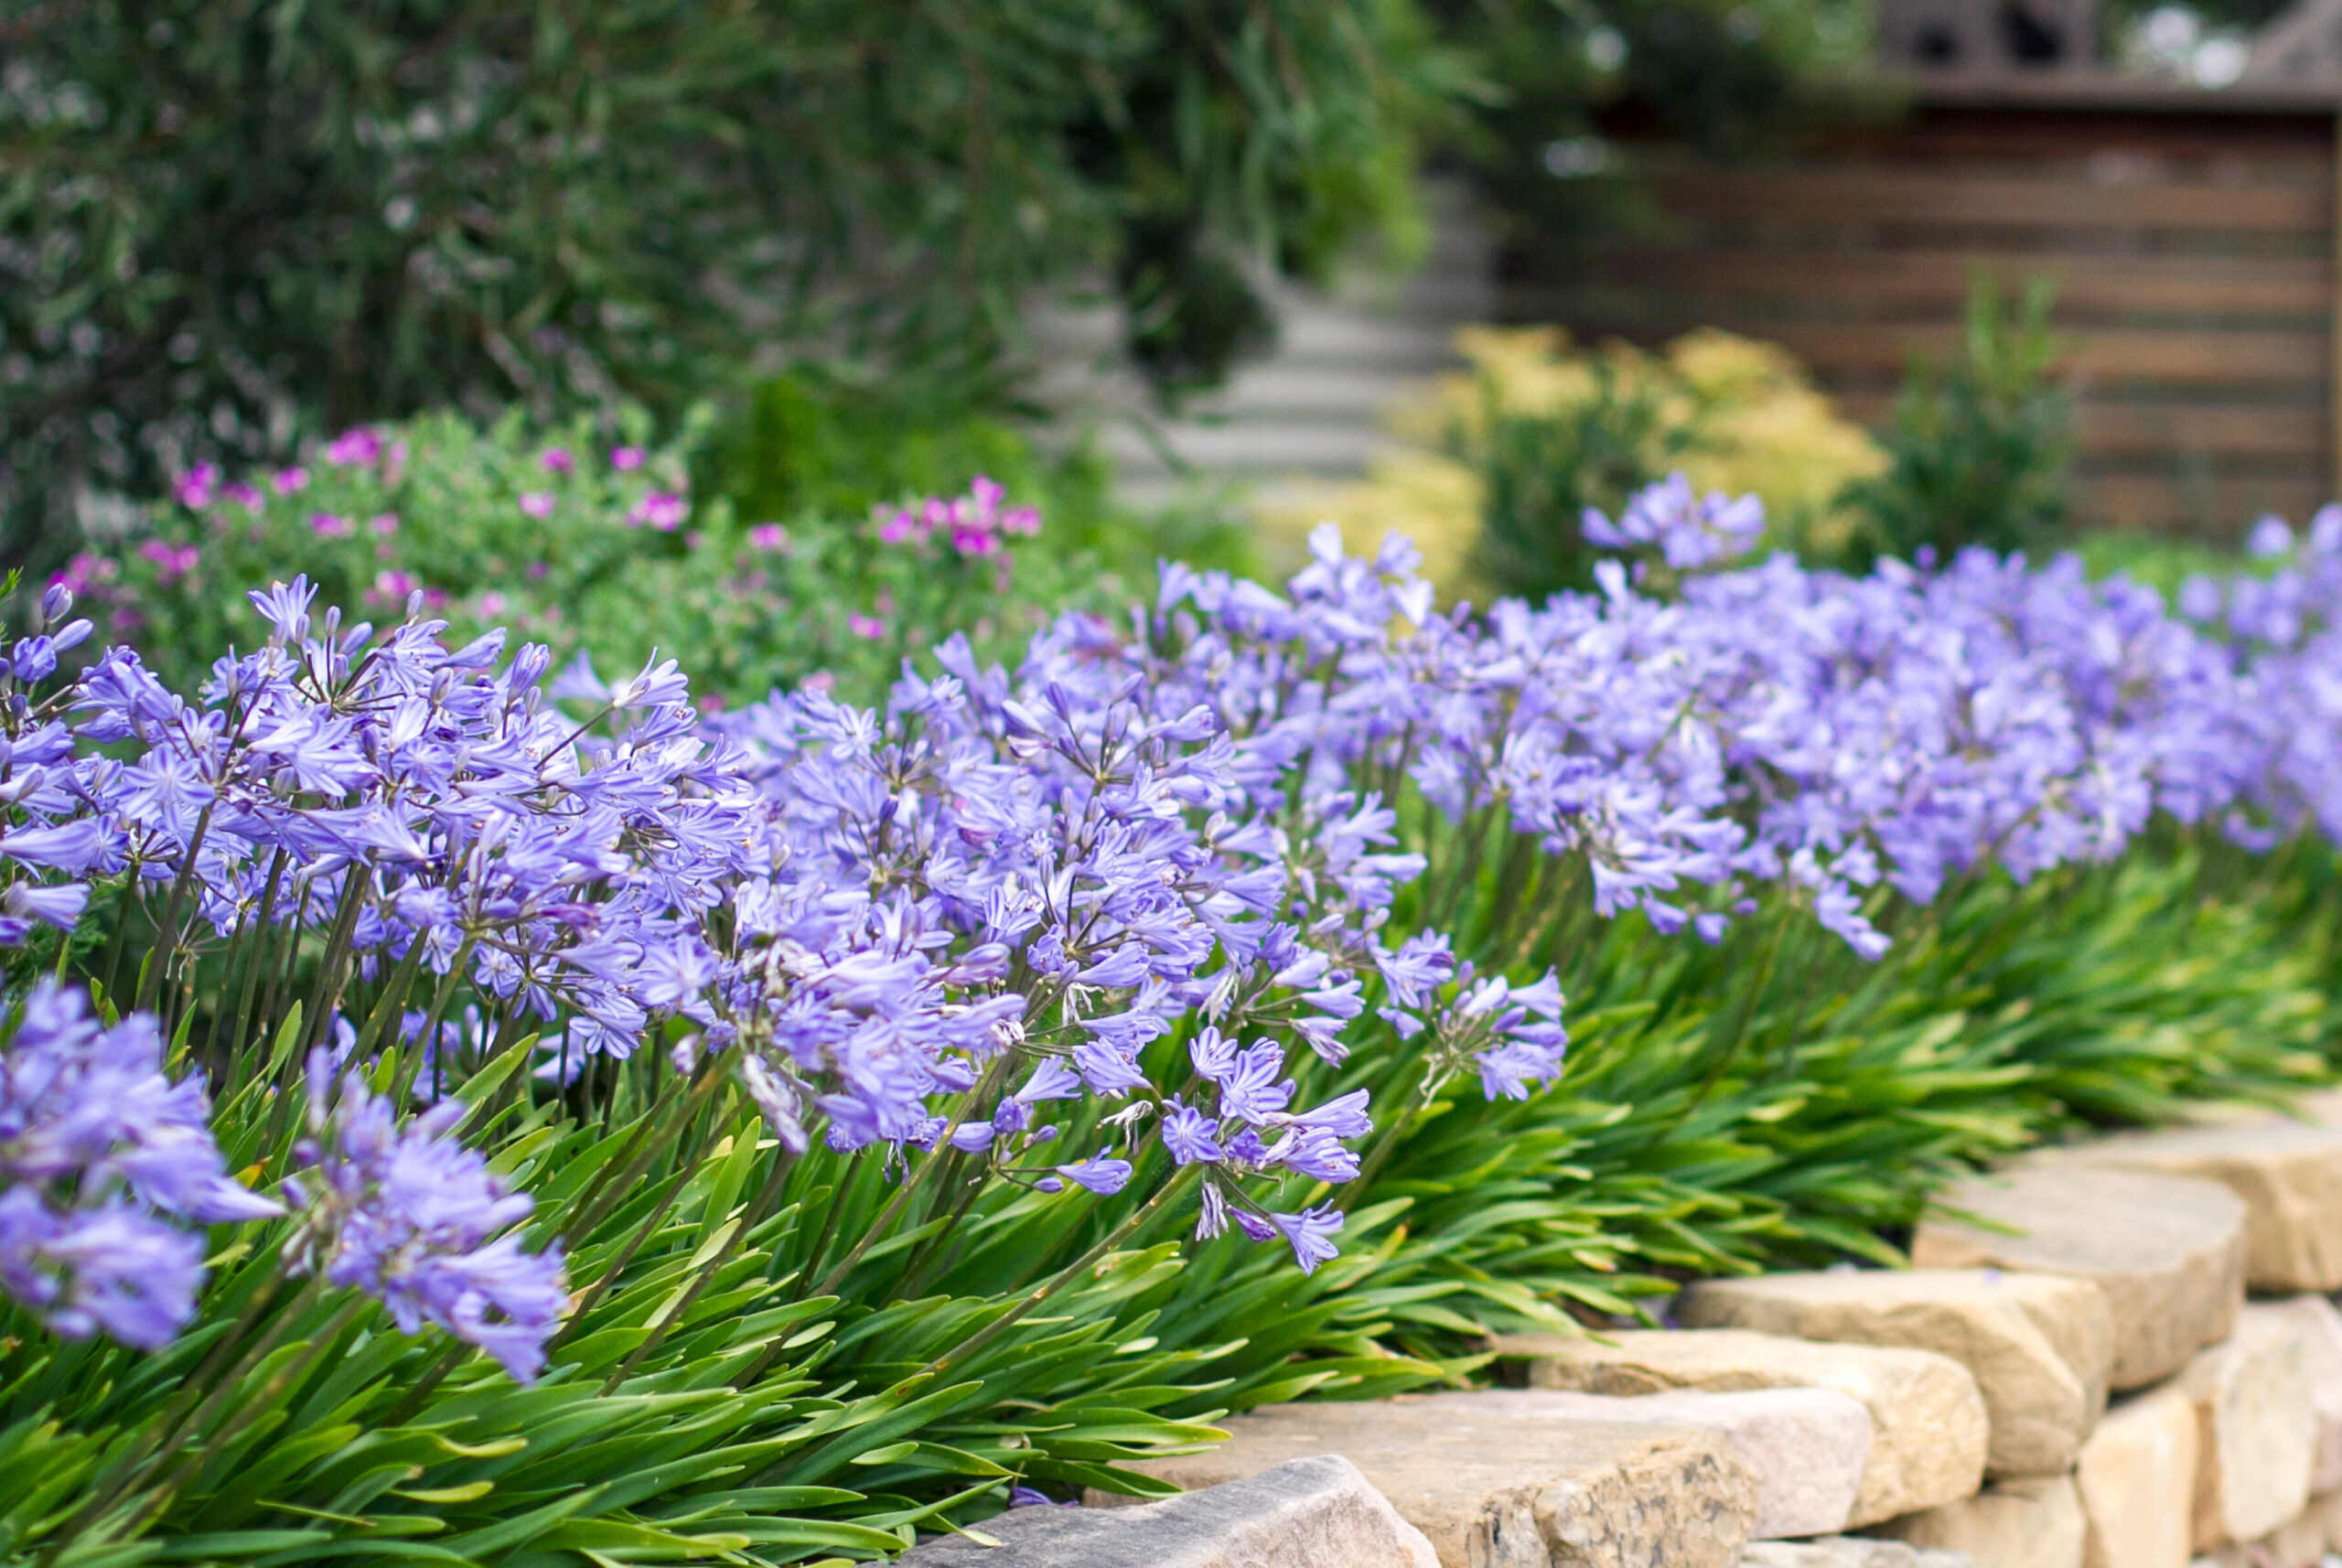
[
  {"x": 662, "y": 511},
  {"x": 537, "y": 504},
  {"x": 383, "y": 524},
  {"x": 974, "y": 542},
  {"x": 1022, "y": 520},
  {"x": 253, "y": 502},
  {"x": 328, "y": 525},
  {"x": 170, "y": 560},
  {"x": 491, "y": 604},
  {"x": 626, "y": 459},
  {"x": 289, "y": 480},
  {"x": 354, "y": 447},
  {"x": 897, "y": 527},
  {"x": 870, "y": 627},
  {"x": 538, "y": 571},
  {"x": 711, "y": 704},
  {"x": 769, "y": 536},
  {"x": 435, "y": 598},
  {"x": 391, "y": 587},
  {"x": 819, "y": 680},
  {"x": 558, "y": 460},
  {"x": 193, "y": 488}
]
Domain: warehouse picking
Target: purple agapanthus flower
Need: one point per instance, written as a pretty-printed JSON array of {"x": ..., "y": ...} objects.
[{"x": 412, "y": 1218}]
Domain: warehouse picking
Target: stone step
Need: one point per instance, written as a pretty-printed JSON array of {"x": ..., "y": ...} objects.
[
  {"x": 2167, "y": 1250},
  {"x": 1308, "y": 1513},
  {"x": 2036, "y": 1522},
  {"x": 2137, "y": 1482},
  {"x": 2039, "y": 1345},
  {"x": 1928, "y": 1428},
  {"x": 1493, "y": 1489},
  {"x": 1807, "y": 1447},
  {"x": 2289, "y": 1175},
  {"x": 2256, "y": 1431}
]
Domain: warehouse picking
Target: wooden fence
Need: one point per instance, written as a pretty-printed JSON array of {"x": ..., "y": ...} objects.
[{"x": 2192, "y": 249}]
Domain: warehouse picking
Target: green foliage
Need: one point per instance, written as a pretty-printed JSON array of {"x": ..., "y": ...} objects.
[
  {"x": 1981, "y": 447},
  {"x": 229, "y": 225},
  {"x": 1541, "y": 469}
]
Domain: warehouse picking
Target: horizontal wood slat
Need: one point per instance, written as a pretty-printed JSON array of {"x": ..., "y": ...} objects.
[
  {"x": 2140, "y": 502},
  {"x": 2209, "y": 357},
  {"x": 1873, "y": 280},
  {"x": 1949, "y": 196}
]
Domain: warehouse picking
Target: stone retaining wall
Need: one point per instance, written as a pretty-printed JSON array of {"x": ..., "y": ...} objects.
[{"x": 2121, "y": 1355}]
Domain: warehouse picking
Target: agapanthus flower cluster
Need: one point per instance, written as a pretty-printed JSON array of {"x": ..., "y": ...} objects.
[
  {"x": 103, "y": 1160},
  {"x": 51, "y": 840},
  {"x": 409, "y": 1216},
  {"x": 1688, "y": 530},
  {"x": 428, "y": 802},
  {"x": 997, "y": 896}
]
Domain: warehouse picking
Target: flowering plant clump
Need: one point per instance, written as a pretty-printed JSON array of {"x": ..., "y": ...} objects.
[
  {"x": 563, "y": 1033},
  {"x": 578, "y": 544}
]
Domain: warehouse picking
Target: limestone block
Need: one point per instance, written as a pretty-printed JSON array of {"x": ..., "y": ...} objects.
[
  {"x": 2289, "y": 1175},
  {"x": 2137, "y": 1481},
  {"x": 2326, "y": 1509},
  {"x": 1498, "y": 1491},
  {"x": 1927, "y": 1424},
  {"x": 1303, "y": 1514},
  {"x": 2319, "y": 1326},
  {"x": 2167, "y": 1250},
  {"x": 2039, "y": 1345},
  {"x": 1807, "y": 1447},
  {"x": 2031, "y": 1523},
  {"x": 2256, "y": 1433},
  {"x": 1847, "y": 1552}
]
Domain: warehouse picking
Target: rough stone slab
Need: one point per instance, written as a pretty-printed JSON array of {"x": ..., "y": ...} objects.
[
  {"x": 2289, "y": 1175},
  {"x": 2036, "y": 1522},
  {"x": 1847, "y": 1552},
  {"x": 2039, "y": 1345},
  {"x": 2256, "y": 1433},
  {"x": 2319, "y": 1326},
  {"x": 1502, "y": 1491},
  {"x": 2167, "y": 1250},
  {"x": 1807, "y": 1447},
  {"x": 1304, "y": 1514},
  {"x": 2137, "y": 1481},
  {"x": 1927, "y": 1426}
]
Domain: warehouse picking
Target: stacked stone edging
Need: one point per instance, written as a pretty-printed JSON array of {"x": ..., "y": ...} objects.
[{"x": 1956, "y": 1415}]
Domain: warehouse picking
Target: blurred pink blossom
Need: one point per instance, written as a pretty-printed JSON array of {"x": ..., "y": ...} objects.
[
  {"x": 289, "y": 480},
  {"x": 170, "y": 560},
  {"x": 328, "y": 526},
  {"x": 194, "y": 488},
  {"x": 537, "y": 504},
  {"x": 626, "y": 458},
  {"x": 558, "y": 460},
  {"x": 769, "y": 536},
  {"x": 355, "y": 447},
  {"x": 662, "y": 511}
]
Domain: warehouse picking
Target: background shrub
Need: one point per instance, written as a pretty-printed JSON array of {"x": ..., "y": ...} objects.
[
  {"x": 227, "y": 227},
  {"x": 1981, "y": 447}
]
